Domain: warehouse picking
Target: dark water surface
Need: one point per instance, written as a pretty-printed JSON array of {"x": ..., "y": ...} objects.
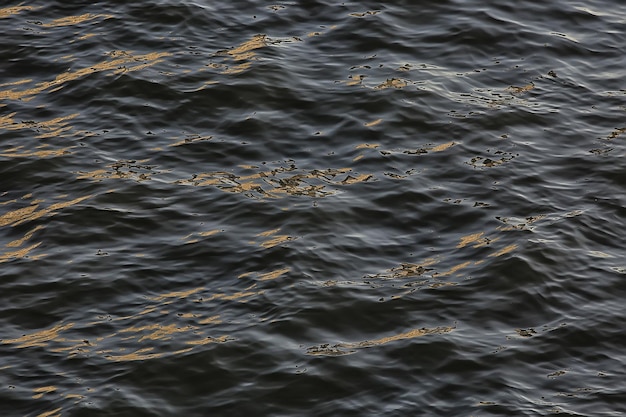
[{"x": 314, "y": 208}]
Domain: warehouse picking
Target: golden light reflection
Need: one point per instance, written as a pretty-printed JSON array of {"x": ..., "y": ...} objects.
[
  {"x": 39, "y": 338},
  {"x": 17, "y": 216},
  {"x": 373, "y": 123},
  {"x": 74, "y": 20},
  {"x": 209, "y": 340},
  {"x": 392, "y": 83},
  {"x": 120, "y": 61},
  {"x": 20, "y": 253},
  {"x": 442, "y": 147},
  {"x": 411, "y": 334},
  {"x": 427, "y": 273},
  {"x": 237, "y": 68},
  {"x": 8, "y": 11},
  {"x": 163, "y": 333},
  {"x": 244, "y": 51},
  {"x": 18, "y": 82},
  {"x": 359, "y": 178},
  {"x": 15, "y": 248},
  {"x": 408, "y": 270},
  {"x": 237, "y": 296},
  {"x": 277, "y": 182},
  {"x": 465, "y": 240},
  {"x": 53, "y": 413},
  {"x": 367, "y": 146},
  {"x": 275, "y": 240},
  {"x": 39, "y": 392},
  {"x": 355, "y": 80},
  {"x": 521, "y": 90},
  {"x": 156, "y": 331},
  {"x": 242, "y": 55},
  {"x": 178, "y": 294},
  {"x": 86, "y": 36},
  {"x": 477, "y": 239},
  {"x": 504, "y": 251},
  {"x": 191, "y": 139},
  {"x": 17, "y": 152},
  {"x": 211, "y": 320},
  {"x": 424, "y": 149},
  {"x": 454, "y": 269},
  {"x": 50, "y": 210},
  {"x": 130, "y": 170},
  {"x": 267, "y": 276},
  {"x": 27, "y": 236},
  {"x": 273, "y": 274},
  {"x": 51, "y": 128},
  {"x": 269, "y": 232},
  {"x": 138, "y": 355},
  {"x": 352, "y": 347},
  {"x": 191, "y": 238}
]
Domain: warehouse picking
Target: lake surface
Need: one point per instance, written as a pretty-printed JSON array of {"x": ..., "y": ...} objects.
[{"x": 313, "y": 208}]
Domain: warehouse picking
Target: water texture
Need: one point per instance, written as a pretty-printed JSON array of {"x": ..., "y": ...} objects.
[{"x": 313, "y": 208}]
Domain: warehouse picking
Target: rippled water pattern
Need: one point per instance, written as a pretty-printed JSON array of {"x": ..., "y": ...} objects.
[{"x": 313, "y": 208}]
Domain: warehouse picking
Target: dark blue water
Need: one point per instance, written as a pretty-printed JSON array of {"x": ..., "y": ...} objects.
[{"x": 314, "y": 208}]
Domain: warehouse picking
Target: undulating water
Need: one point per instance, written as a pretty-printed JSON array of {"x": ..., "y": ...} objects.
[{"x": 312, "y": 208}]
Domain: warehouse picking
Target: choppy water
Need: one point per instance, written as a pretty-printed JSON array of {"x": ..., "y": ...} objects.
[{"x": 314, "y": 208}]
